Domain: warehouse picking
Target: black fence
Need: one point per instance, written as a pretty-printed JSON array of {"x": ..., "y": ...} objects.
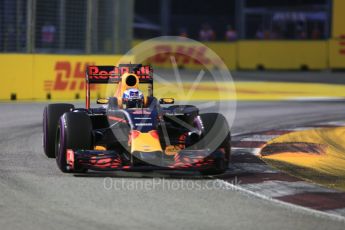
[{"x": 64, "y": 26}]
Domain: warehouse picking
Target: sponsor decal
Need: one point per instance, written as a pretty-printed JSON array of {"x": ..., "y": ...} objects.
[
  {"x": 172, "y": 150},
  {"x": 143, "y": 124},
  {"x": 173, "y": 114},
  {"x": 183, "y": 53},
  {"x": 68, "y": 76},
  {"x": 342, "y": 45},
  {"x": 118, "y": 119},
  {"x": 141, "y": 111},
  {"x": 114, "y": 73}
]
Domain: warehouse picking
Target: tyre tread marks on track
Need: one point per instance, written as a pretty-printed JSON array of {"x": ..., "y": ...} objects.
[{"x": 251, "y": 173}]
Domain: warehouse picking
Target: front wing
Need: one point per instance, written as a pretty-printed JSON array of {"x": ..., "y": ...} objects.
[{"x": 110, "y": 160}]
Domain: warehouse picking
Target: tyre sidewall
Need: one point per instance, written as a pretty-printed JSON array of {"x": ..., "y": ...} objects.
[
  {"x": 51, "y": 116},
  {"x": 216, "y": 126},
  {"x": 74, "y": 132}
]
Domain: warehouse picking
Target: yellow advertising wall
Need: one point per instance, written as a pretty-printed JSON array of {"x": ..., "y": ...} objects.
[
  {"x": 60, "y": 76},
  {"x": 189, "y": 55},
  {"x": 282, "y": 54},
  {"x": 337, "y": 54},
  {"x": 337, "y": 42},
  {"x": 226, "y": 51},
  {"x": 36, "y": 76},
  {"x": 17, "y": 74},
  {"x": 338, "y": 18}
]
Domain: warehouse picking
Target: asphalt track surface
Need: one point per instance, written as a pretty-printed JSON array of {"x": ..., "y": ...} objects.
[{"x": 34, "y": 194}]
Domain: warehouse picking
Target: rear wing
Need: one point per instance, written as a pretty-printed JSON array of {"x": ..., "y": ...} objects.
[{"x": 112, "y": 74}]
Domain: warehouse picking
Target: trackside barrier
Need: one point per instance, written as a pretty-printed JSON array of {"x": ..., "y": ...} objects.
[
  {"x": 337, "y": 53},
  {"x": 338, "y": 18},
  {"x": 187, "y": 54},
  {"x": 283, "y": 55},
  {"x": 261, "y": 54},
  {"x": 278, "y": 55},
  {"x": 40, "y": 76}
]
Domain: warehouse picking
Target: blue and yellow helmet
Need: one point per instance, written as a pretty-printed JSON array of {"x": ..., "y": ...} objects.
[{"x": 132, "y": 98}]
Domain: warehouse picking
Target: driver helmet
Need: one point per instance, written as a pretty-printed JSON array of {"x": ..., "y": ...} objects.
[{"x": 132, "y": 98}]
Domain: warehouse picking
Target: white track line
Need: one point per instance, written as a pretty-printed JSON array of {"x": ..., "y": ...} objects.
[
  {"x": 258, "y": 137},
  {"x": 276, "y": 188},
  {"x": 245, "y": 151},
  {"x": 300, "y": 128},
  {"x": 338, "y": 211},
  {"x": 336, "y": 123},
  {"x": 316, "y": 213},
  {"x": 250, "y": 168}
]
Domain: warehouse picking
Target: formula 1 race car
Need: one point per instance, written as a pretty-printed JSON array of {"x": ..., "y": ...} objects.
[{"x": 133, "y": 132}]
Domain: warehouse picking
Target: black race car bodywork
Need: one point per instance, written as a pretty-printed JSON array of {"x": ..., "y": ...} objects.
[{"x": 152, "y": 137}]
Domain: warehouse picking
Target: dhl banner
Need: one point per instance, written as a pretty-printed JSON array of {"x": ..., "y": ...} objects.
[
  {"x": 40, "y": 76},
  {"x": 338, "y": 19},
  {"x": 337, "y": 43},
  {"x": 284, "y": 55},
  {"x": 337, "y": 53},
  {"x": 186, "y": 54},
  {"x": 61, "y": 77}
]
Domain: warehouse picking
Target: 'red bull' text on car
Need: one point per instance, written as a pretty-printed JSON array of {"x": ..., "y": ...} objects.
[{"x": 133, "y": 131}]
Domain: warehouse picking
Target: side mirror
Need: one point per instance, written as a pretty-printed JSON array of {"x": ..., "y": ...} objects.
[
  {"x": 166, "y": 101},
  {"x": 102, "y": 101}
]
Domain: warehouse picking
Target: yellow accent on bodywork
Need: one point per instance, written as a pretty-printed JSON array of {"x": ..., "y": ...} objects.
[
  {"x": 145, "y": 142},
  {"x": 172, "y": 150},
  {"x": 100, "y": 147},
  {"x": 249, "y": 90},
  {"x": 102, "y": 101}
]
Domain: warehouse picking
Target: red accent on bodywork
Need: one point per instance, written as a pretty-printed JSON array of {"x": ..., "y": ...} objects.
[
  {"x": 135, "y": 134},
  {"x": 87, "y": 103},
  {"x": 70, "y": 158},
  {"x": 105, "y": 162},
  {"x": 154, "y": 134},
  {"x": 117, "y": 119}
]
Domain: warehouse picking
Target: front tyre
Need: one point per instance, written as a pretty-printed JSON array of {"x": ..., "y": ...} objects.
[
  {"x": 217, "y": 137},
  {"x": 74, "y": 132},
  {"x": 51, "y": 116}
]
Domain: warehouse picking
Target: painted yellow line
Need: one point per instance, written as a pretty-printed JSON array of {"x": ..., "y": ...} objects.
[
  {"x": 316, "y": 155},
  {"x": 249, "y": 91},
  {"x": 253, "y": 91}
]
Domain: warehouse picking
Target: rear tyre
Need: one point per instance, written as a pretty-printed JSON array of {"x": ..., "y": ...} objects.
[
  {"x": 217, "y": 137},
  {"x": 51, "y": 116},
  {"x": 74, "y": 132}
]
